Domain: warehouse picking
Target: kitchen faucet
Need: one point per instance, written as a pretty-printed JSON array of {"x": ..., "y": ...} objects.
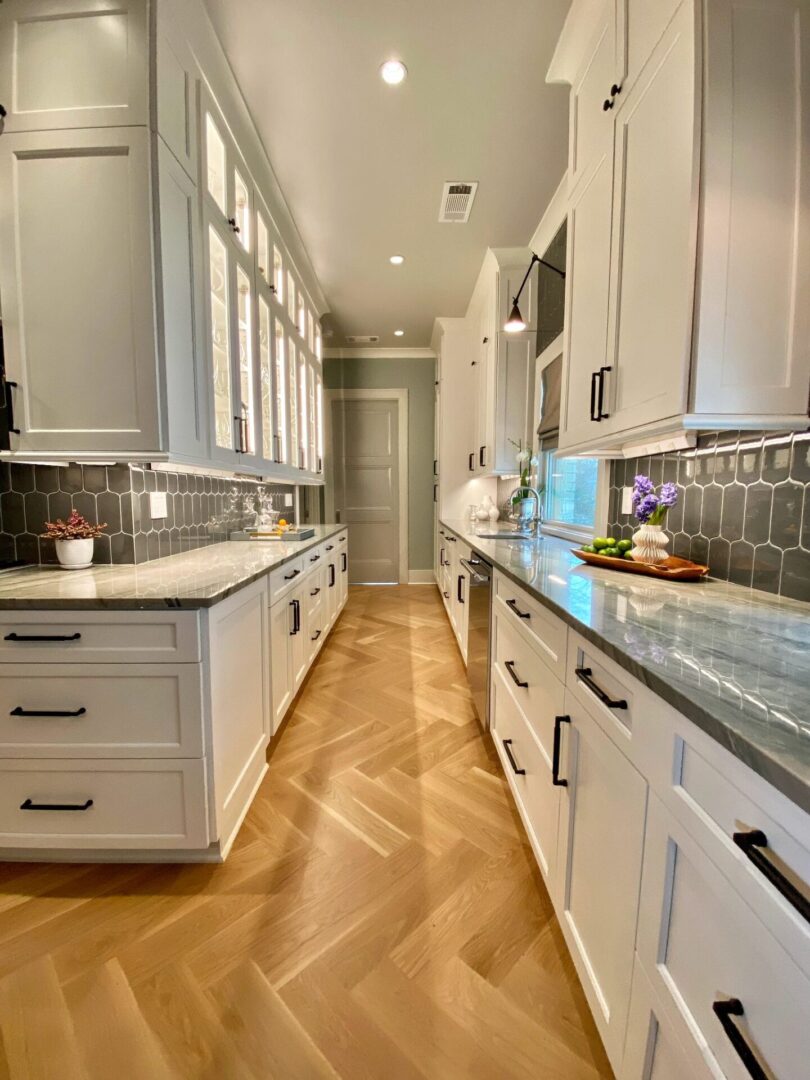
[{"x": 534, "y": 523}]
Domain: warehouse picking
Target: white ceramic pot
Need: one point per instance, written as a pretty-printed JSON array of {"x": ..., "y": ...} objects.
[
  {"x": 494, "y": 513},
  {"x": 650, "y": 544},
  {"x": 75, "y": 554}
]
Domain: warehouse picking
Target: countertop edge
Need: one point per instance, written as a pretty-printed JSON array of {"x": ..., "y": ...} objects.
[
  {"x": 164, "y": 603},
  {"x": 762, "y": 763}
]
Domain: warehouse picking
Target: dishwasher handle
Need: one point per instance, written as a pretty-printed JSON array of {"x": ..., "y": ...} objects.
[{"x": 476, "y": 578}]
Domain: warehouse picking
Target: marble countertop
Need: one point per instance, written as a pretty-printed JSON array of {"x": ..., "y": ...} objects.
[
  {"x": 193, "y": 579},
  {"x": 733, "y": 660}
]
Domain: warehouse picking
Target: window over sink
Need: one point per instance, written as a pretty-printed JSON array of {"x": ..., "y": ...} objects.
[{"x": 573, "y": 499}]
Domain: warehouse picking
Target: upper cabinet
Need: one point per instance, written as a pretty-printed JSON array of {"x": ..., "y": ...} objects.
[
  {"x": 151, "y": 307},
  {"x": 688, "y": 219}
]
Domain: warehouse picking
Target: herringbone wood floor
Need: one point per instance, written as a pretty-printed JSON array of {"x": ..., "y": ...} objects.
[{"x": 380, "y": 915}]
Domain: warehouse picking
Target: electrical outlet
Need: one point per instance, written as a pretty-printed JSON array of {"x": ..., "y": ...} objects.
[
  {"x": 627, "y": 500},
  {"x": 158, "y": 504},
  {"x": 288, "y": 499}
]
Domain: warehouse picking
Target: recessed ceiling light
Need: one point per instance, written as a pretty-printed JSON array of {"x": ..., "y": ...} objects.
[
  {"x": 393, "y": 72},
  {"x": 399, "y": 333},
  {"x": 397, "y": 260}
]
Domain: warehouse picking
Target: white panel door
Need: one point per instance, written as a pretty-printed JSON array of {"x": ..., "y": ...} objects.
[
  {"x": 654, "y": 236},
  {"x": 74, "y": 64},
  {"x": 281, "y": 670},
  {"x": 176, "y": 78},
  {"x": 599, "y": 868},
  {"x": 183, "y": 349},
  {"x": 590, "y": 131},
  {"x": 365, "y": 435},
  {"x": 76, "y": 282}
]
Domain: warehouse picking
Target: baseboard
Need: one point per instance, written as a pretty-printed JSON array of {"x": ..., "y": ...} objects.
[{"x": 421, "y": 577}]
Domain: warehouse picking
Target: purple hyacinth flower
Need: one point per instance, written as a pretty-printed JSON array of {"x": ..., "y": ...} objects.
[
  {"x": 668, "y": 495},
  {"x": 646, "y": 507}
]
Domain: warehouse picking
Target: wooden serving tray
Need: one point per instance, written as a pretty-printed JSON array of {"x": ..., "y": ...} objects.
[{"x": 674, "y": 569}]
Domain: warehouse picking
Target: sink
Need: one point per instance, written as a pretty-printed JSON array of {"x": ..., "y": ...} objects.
[{"x": 503, "y": 535}]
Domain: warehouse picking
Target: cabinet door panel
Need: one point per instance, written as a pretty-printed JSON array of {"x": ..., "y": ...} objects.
[
  {"x": 181, "y": 313},
  {"x": 513, "y": 396},
  {"x": 654, "y": 235},
  {"x": 601, "y": 842},
  {"x": 75, "y": 275},
  {"x": 639, "y": 27},
  {"x": 590, "y": 125},
  {"x": 73, "y": 64},
  {"x": 281, "y": 674},
  {"x": 586, "y": 299},
  {"x": 176, "y": 93}
]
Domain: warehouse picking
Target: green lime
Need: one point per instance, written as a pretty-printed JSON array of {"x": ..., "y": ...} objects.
[
  {"x": 628, "y": 555},
  {"x": 600, "y": 542},
  {"x": 612, "y": 542},
  {"x": 624, "y": 545},
  {"x": 611, "y": 552},
  {"x": 589, "y": 548}
]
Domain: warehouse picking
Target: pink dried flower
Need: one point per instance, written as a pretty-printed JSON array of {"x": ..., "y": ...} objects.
[{"x": 75, "y": 528}]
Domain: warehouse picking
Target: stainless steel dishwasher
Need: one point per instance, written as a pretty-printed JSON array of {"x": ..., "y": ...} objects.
[{"x": 479, "y": 602}]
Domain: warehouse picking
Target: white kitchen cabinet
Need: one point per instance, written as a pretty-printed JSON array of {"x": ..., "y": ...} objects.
[
  {"x": 74, "y": 64},
  {"x": 238, "y": 643},
  {"x": 600, "y": 853},
  {"x": 702, "y": 947},
  {"x": 699, "y": 201},
  {"x": 282, "y": 677},
  {"x": 76, "y": 283},
  {"x": 176, "y": 88}
]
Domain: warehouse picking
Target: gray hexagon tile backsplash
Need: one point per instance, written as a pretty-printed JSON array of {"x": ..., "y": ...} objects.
[
  {"x": 744, "y": 507},
  {"x": 201, "y": 509}
]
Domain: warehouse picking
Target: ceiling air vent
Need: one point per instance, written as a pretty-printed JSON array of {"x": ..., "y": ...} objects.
[
  {"x": 457, "y": 200},
  {"x": 362, "y": 339}
]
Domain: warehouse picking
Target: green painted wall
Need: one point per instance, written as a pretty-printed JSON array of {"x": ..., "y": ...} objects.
[{"x": 417, "y": 377}]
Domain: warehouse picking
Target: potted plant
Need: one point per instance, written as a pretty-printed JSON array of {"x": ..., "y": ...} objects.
[
  {"x": 650, "y": 510},
  {"x": 524, "y": 506},
  {"x": 74, "y": 540}
]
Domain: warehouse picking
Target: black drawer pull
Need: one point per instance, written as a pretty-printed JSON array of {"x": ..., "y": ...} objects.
[
  {"x": 725, "y": 1010},
  {"x": 450, "y": 539},
  {"x": 314, "y": 558},
  {"x": 515, "y": 769},
  {"x": 584, "y": 675},
  {"x": 345, "y": 561},
  {"x": 13, "y": 636},
  {"x": 754, "y": 845},
  {"x": 330, "y": 547},
  {"x": 446, "y": 595},
  {"x": 510, "y": 667},
  {"x": 331, "y": 575},
  {"x": 520, "y": 614},
  {"x": 316, "y": 635},
  {"x": 594, "y": 380},
  {"x": 555, "y": 756},
  {"x": 314, "y": 592},
  {"x": 289, "y": 577},
  {"x": 471, "y": 461},
  {"x": 296, "y": 606},
  {"x": 29, "y": 805},
  {"x": 20, "y": 711},
  {"x": 459, "y": 585}
]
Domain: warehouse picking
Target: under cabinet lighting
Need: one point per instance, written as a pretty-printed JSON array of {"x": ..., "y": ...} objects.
[
  {"x": 397, "y": 260},
  {"x": 393, "y": 72},
  {"x": 399, "y": 333}
]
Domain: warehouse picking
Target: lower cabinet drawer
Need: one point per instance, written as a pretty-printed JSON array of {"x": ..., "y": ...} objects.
[
  {"x": 99, "y": 637},
  {"x": 549, "y": 633},
  {"x": 286, "y": 577},
  {"x": 529, "y": 771},
  {"x": 719, "y": 972},
  {"x": 101, "y": 710},
  {"x": 103, "y": 804}
]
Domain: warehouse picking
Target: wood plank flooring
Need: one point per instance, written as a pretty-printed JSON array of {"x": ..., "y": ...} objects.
[{"x": 380, "y": 915}]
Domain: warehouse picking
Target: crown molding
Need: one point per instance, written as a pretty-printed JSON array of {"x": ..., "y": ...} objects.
[{"x": 355, "y": 352}]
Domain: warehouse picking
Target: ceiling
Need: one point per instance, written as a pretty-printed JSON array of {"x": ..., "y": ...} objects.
[{"x": 362, "y": 164}]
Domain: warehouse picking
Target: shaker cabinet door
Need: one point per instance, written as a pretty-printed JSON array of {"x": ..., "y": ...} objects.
[{"x": 76, "y": 281}]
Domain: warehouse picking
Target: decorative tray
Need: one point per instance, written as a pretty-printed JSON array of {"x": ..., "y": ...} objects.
[{"x": 674, "y": 569}]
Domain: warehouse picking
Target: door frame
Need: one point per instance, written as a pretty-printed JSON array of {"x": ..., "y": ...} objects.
[{"x": 399, "y": 395}]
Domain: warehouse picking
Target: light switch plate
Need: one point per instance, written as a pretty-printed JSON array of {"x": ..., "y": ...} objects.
[
  {"x": 627, "y": 500},
  {"x": 158, "y": 504},
  {"x": 288, "y": 499}
]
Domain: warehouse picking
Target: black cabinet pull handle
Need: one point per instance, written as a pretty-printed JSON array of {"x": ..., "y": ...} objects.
[
  {"x": 331, "y": 575},
  {"x": 345, "y": 559},
  {"x": 754, "y": 845},
  {"x": 435, "y": 492},
  {"x": 555, "y": 755},
  {"x": 330, "y": 547},
  {"x": 9, "y": 383},
  {"x": 233, "y": 225},
  {"x": 29, "y": 805},
  {"x": 615, "y": 89},
  {"x": 238, "y": 421},
  {"x": 584, "y": 674},
  {"x": 314, "y": 592},
  {"x": 510, "y": 667},
  {"x": 515, "y": 769},
  {"x": 20, "y": 711},
  {"x": 725, "y": 1010},
  {"x": 450, "y": 539},
  {"x": 316, "y": 635},
  {"x": 482, "y": 454},
  {"x": 13, "y": 636},
  {"x": 296, "y": 606},
  {"x": 289, "y": 577},
  {"x": 471, "y": 461},
  {"x": 314, "y": 558},
  {"x": 446, "y": 595},
  {"x": 512, "y": 604},
  {"x": 435, "y": 465},
  {"x": 600, "y": 415},
  {"x": 608, "y": 104},
  {"x": 458, "y": 588},
  {"x": 594, "y": 379}
]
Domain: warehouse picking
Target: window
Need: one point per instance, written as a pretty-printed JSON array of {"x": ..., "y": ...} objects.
[{"x": 572, "y": 493}]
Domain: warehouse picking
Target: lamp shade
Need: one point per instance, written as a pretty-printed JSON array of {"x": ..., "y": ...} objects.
[{"x": 514, "y": 324}]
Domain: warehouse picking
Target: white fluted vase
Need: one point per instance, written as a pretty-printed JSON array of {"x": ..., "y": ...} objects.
[{"x": 650, "y": 544}]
